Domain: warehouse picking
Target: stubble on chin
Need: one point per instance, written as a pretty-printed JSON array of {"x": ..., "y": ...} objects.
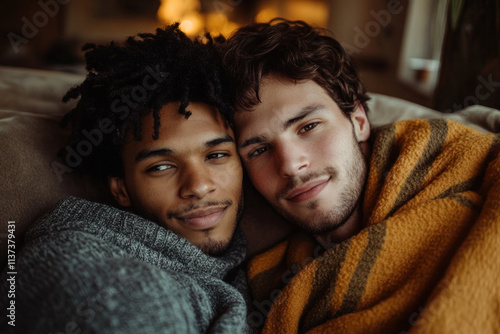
[
  {"x": 323, "y": 222},
  {"x": 213, "y": 247},
  {"x": 313, "y": 205}
]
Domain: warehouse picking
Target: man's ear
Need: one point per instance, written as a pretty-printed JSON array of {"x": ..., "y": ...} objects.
[
  {"x": 119, "y": 191},
  {"x": 360, "y": 123}
]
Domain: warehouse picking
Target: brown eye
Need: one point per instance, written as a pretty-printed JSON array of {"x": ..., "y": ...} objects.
[
  {"x": 258, "y": 151},
  {"x": 159, "y": 168},
  {"x": 308, "y": 127},
  {"x": 216, "y": 156}
]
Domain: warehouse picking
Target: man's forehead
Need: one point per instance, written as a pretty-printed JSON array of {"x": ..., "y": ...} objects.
[{"x": 175, "y": 130}]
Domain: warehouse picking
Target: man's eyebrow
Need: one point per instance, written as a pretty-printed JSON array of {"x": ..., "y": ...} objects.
[
  {"x": 302, "y": 114},
  {"x": 219, "y": 140},
  {"x": 163, "y": 152},
  {"x": 253, "y": 140},
  {"x": 151, "y": 153}
]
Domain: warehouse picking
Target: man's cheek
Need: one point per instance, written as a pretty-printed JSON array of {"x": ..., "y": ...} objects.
[
  {"x": 254, "y": 177},
  {"x": 233, "y": 174}
]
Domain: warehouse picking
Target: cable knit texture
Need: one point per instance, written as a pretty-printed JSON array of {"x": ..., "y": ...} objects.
[{"x": 92, "y": 268}]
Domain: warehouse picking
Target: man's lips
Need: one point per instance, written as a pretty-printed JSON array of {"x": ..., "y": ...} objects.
[
  {"x": 308, "y": 191},
  {"x": 201, "y": 219}
]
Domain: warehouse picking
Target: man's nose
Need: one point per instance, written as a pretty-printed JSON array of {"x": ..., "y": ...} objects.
[
  {"x": 291, "y": 159},
  {"x": 196, "y": 182}
]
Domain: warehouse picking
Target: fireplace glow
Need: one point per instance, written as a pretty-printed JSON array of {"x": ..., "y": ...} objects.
[
  {"x": 192, "y": 20},
  {"x": 186, "y": 12}
]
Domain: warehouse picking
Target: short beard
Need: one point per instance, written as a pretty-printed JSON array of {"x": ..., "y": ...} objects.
[
  {"x": 336, "y": 219},
  {"x": 215, "y": 248},
  {"x": 349, "y": 201}
]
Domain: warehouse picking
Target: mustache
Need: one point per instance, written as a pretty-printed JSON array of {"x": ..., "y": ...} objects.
[
  {"x": 299, "y": 180},
  {"x": 195, "y": 206}
]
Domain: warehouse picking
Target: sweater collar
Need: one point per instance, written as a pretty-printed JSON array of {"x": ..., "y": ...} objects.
[{"x": 138, "y": 237}]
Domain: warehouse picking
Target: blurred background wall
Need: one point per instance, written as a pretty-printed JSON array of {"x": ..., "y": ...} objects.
[{"x": 438, "y": 53}]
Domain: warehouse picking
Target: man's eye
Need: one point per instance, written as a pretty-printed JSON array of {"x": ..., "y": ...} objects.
[
  {"x": 159, "y": 168},
  {"x": 216, "y": 156},
  {"x": 308, "y": 127},
  {"x": 258, "y": 151}
]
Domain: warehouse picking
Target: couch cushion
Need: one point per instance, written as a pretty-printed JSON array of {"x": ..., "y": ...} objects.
[{"x": 30, "y": 137}]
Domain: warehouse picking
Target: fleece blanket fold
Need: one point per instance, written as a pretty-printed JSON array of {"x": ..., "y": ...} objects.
[{"x": 428, "y": 259}]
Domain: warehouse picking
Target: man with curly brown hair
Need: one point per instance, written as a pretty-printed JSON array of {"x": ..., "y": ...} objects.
[
  {"x": 401, "y": 222},
  {"x": 297, "y": 83}
]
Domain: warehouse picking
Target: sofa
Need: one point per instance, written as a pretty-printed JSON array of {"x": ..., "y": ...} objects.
[{"x": 30, "y": 137}]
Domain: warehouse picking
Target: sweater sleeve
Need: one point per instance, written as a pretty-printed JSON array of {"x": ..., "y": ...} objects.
[{"x": 85, "y": 285}]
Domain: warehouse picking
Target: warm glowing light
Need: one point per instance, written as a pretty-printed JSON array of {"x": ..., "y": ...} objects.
[
  {"x": 215, "y": 22},
  {"x": 266, "y": 14},
  {"x": 218, "y": 23},
  {"x": 229, "y": 28},
  {"x": 192, "y": 24},
  {"x": 312, "y": 12},
  {"x": 187, "y": 12},
  {"x": 187, "y": 26}
]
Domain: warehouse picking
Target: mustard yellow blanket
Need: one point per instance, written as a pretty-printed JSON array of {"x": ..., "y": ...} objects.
[{"x": 428, "y": 259}]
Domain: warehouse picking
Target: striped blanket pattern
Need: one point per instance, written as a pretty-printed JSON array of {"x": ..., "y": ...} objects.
[{"x": 428, "y": 259}]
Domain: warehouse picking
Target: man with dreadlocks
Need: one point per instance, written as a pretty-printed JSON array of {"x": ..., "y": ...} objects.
[{"x": 167, "y": 260}]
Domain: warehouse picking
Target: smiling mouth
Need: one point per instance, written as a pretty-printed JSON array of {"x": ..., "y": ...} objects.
[
  {"x": 307, "y": 192},
  {"x": 202, "y": 219}
]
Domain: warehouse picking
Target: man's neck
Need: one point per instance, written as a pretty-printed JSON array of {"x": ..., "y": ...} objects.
[{"x": 350, "y": 228}]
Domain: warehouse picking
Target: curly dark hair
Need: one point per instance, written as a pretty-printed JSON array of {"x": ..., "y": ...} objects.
[
  {"x": 126, "y": 82},
  {"x": 294, "y": 50}
]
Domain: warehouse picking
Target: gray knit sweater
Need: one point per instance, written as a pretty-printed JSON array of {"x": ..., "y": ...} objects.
[{"x": 92, "y": 268}]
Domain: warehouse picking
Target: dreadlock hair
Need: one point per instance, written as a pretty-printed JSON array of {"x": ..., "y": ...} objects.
[
  {"x": 126, "y": 82},
  {"x": 293, "y": 50}
]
